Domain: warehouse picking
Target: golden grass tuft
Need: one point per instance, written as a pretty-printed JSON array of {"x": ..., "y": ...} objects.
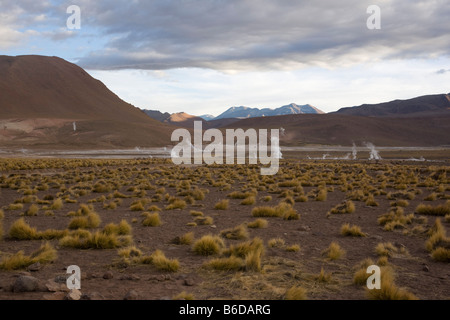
[
  {"x": 92, "y": 220},
  {"x": 334, "y": 251},
  {"x": 276, "y": 243},
  {"x": 176, "y": 204},
  {"x": 204, "y": 221},
  {"x": 45, "y": 254},
  {"x": 295, "y": 293},
  {"x": 258, "y": 224},
  {"x": 208, "y": 245},
  {"x": 184, "y": 296},
  {"x": 388, "y": 290},
  {"x": 439, "y": 210},
  {"x": 20, "y": 230},
  {"x": 151, "y": 219},
  {"x": 323, "y": 276},
  {"x": 225, "y": 264},
  {"x": 293, "y": 248},
  {"x": 237, "y": 233},
  {"x": 160, "y": 261},
  {"x": 222, "y": 204},
  {"x": 353, "y": 231}
]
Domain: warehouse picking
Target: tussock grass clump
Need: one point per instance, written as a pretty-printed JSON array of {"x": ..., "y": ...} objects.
[
  {"x": 283, "y": 209},
  {"x": 122, "y": 228},
  {"x": 439, "y": 210},
  {"x": 20, "y": 230},
  {"x": 267, "y": 198},
  {"x": 238, "y": 233},
  {"x": 130, "y": 252},
  {"x": 360, "y": 276},
  {"x": 438, "y": 243},
  {"x": 322, "y": 195},
  {"x": 184, "y": 296},
  {"x": 395, "y": 219},
  {"x": 159, "y": 260},
  {"x": 346, "y": 207},
  {"x": 354, "y": 230},
  {"x": 258, "y": 224},
  {"x": 239, "y": 195},
  {"x": 334, "y": 251},
  {"x": 386, "y": 249},
  {"x": 185, "y": 239},
  {"x": 399, "y": 203},
  {"x": 323, "y": 276},
  {"x": 244, "y": 248},
  {"x": 222, "y": 204},
  {"x": 388, "y": 290},
  {"x": 276, "y": 243},
  {"x": 137, "y": 206},
  {"x": 295, "y": 293},
  {"x": 151, "y": 219},
  {"x": 204, "y": 221},
  {"x": 208, "y": 245},
  {"x": 45, "y": 254},
  {"x": 57, "y": 204},
  {"x": 83, "y": 239},
  {"x": 370, "y": 201},
  {"x": 15, "y": 206},
  {"x": 248, "y": 201},
  {"x": 176, "y": 204},
  {"x": 441, "y": 254},
  {"x": 92, "y": 220},
  {"x": 231, "y": 263},
  {"x": 196, "y": 213},
  {"x": 32, "y": 210},
  {"x": 264, "y": 211},
  {"x": 293, "y": 248}
]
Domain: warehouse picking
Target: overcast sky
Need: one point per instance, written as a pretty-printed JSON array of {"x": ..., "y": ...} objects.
[{"x": 204, "y": 56}]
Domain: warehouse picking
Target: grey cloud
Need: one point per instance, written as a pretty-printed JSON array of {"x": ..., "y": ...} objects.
[
  {"x": 442, "y": 71},
  {"x": 258, "y": 34}
]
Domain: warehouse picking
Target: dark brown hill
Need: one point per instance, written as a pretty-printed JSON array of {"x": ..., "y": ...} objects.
[
  {"x": 41, "y": 97},
  {"x": 419, "y": 106}
]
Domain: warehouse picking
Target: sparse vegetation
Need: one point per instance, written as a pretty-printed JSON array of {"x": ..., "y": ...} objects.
[
  {"x": 334, "y": 251},
  {"x": 354, "y": 230},
  {"x": 208, "y": 245}
]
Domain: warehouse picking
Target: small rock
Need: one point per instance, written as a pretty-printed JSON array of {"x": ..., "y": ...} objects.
[
  {"x": 213, "y": 226},
  {"x": 34, "y": 267},
  {"x": 131, "y": 295},
  {"x": 74, "y": 294},
  {"x": 26, "y": 284},
  {"x": 61, "y": 279},
  {"x": 108, "y": 275},
  {"x": 54, "y": 296},
  {"x": 52, "y": 286},
  {"x": 426, "y": 268},
  {"x": 92, "y": 296},
  {"x": 189, "y": 282}
]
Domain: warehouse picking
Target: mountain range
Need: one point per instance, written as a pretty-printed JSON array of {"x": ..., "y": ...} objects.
[{"x": 47, "y": 102}]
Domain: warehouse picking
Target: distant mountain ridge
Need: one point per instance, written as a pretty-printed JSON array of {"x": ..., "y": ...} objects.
[
  {"x": 428, "y": 104},
  {"x": 247, "y": 112}
]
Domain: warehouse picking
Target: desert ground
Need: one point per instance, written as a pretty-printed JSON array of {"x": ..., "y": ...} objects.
[{"x": 147, "y": 229}]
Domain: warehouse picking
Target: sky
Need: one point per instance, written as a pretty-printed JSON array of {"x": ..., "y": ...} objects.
[{"x": 204, "y": 56}]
